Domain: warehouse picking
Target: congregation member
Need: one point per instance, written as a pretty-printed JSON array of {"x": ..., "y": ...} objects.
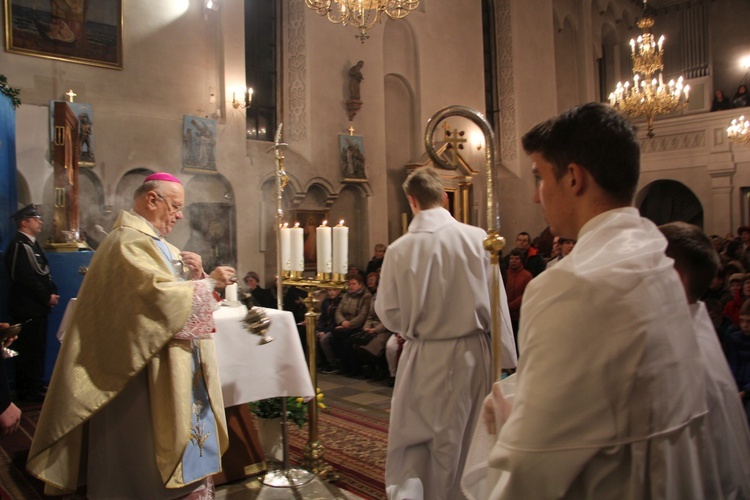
[
  {"x": 351, "y": 315},
  {"x": 33, "y": 294},
  {"x": 610, "y": 400},
  {"x": 566, "y": 246},
  {"x": 740, "y": 294},
  {"x": 377, "y": 259},
  {"x": 532, "y": 260},
  {"x": 696, "y": 263},
  {"x": 324, "y": 330},
  {"x": 135, "y": 408},
  {"x": 445, "y": 366},
  {"x": 738, "y": 356},
  {"x": 258, "y": 296},
  {"x": 516, "y": 280}
]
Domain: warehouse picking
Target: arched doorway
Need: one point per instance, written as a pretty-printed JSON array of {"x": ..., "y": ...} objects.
[{"x": 665, "y": 201}]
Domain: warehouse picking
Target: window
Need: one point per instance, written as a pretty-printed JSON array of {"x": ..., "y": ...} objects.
[{"x": 261, "y": 67}]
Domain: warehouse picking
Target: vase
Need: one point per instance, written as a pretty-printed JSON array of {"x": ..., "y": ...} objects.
[{"x": 269, "y": 433}]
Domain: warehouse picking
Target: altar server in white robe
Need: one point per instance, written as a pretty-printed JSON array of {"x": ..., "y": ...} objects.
[
  {"x": 610, "y": 398},
  {"x": 434, "y": 291},
  {"x": 728, "y": 451}
]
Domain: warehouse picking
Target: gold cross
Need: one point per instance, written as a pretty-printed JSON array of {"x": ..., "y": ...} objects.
[
  {"x": 71, "y": 94},
  {"x": 454, "y": 139},
  {"x": 351, "y": 130}
]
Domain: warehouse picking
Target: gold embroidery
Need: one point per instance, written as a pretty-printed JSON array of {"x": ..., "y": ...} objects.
[{"x": 197, "y": 434}]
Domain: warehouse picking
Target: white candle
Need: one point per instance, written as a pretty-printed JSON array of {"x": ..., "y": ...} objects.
[
  {"x": 323, "y": 240},
  {"x": 297, "y": 243},
  {"x": 286, "y": 261},
  {"x": 230, "y": 292},
  {"x": 340, "y": 248}
]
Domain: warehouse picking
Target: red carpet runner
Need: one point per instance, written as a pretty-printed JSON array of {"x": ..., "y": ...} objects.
[{"x": 355, "y": 446}]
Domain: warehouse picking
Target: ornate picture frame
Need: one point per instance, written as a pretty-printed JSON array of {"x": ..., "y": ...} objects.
[
  {"x": 309, "y": 220},
  {"x": 352, "y": 158},
  {"x": 78, "y": 32}
]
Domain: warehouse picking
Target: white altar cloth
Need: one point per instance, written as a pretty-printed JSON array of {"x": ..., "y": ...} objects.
[{"x": 250, "y": 371}]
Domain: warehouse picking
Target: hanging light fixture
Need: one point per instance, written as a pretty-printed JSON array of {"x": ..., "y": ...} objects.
[
  {"x": 649, "y": 96},
  {"x": 739, "y": 131},
  {"x": 362, "y": 14}
]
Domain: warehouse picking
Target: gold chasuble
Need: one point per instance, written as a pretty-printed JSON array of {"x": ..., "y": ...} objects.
[{"x": 129, "y": 308}]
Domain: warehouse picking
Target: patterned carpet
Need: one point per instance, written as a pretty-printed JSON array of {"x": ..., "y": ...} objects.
[
  {"x": 355, "y": 441},
  {"x": 354, "y": 436}
]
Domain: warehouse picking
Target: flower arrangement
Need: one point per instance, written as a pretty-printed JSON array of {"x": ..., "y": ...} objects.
[{"x": 296, "y": 408}]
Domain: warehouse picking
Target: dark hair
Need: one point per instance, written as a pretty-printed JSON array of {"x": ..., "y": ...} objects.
[
  {"x": 516, "y": 252},
  {"x": 597, "y": 138},
  {"x": 694, "y": 256}
]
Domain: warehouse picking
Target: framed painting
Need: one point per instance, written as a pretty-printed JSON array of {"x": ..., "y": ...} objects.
[
  {"x": 85, "y": 115},
  {"x": 309, "y": 220},
  {"x": 198, "y": 145},
  {"x": 77, "y": 31},
  {"x": 352, "y": 154}
]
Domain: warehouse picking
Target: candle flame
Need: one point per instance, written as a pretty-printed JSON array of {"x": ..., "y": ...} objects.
[
  {"x": 296, "y": 224},
  {"x": 341, "y": 222},
  {"x": 286, "y": 224},
  {"x": 325, "y": 223}
]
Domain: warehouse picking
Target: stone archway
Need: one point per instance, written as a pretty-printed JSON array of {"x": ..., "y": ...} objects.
[{"x": 667, "y": 200}]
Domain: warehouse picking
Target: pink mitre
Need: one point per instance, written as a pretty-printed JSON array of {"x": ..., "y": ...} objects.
[{"x": 162, "y": 176}]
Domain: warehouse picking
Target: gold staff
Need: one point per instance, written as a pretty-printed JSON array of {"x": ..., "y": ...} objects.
[{"x": 494, "y": 243}]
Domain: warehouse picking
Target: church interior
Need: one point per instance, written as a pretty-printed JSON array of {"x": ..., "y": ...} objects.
[{"x": 207, "y": 90}]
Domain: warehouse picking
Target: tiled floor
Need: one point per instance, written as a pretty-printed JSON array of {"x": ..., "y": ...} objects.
[
  {"x": 370, "y": 394},
  {"x": 365, "y": 395}
]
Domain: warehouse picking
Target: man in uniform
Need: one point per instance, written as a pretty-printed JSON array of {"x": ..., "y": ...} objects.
[
  {"x": 434, "y": 291},
  {"x": 32, "y": 295},
  {"x": 136, "y": 380}
]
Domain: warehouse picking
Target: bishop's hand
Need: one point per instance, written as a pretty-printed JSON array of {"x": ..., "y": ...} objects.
[
  {"x": 193, "y": 263},
  {"x": 223, "y": 276}
]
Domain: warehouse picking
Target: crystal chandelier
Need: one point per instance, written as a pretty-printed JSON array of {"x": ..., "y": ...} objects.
[
  {"x": 361, "y": 14},
  {"x": 649, "y": 96},
  {"x": 739, "y": 131}
]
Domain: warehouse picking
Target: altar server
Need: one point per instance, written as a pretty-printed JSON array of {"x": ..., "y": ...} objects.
[
  {"x": 610, "y": 396},
  {"x": 137, "y": 365},
  {"x": 434, "y": 291}
]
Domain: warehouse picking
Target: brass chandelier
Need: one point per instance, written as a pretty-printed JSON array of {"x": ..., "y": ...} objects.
[
  {"x": 361, "y": 14},
  {"x": 739, "y": 131},
  {"x": 649, "y": 96}
]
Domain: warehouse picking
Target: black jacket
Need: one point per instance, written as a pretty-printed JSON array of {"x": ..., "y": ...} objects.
[{"x": 31, "y": 283}]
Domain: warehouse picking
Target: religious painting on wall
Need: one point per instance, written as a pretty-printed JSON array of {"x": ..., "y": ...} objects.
[
  {"x": 84, "y": 113},
  {"x": 352, "y": 153},
  {"x": 78, "y": 31},
  {"x": 198, "y": 144},
  {"x": 309, "y": 220}
]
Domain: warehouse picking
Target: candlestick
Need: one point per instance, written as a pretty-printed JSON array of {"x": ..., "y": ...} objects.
[
  {"x": 340, "y": 249},
  {"x": 297, "y": 238},
  {"x": 286, "y": 260},
  {"x": 323, "y": 238}
]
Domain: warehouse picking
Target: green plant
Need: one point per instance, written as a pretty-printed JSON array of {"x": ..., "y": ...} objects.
[
  {"x": 10, "y": 92},
  {"x": 296, "y": 408}
]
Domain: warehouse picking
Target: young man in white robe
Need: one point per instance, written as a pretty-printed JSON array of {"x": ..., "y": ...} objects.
[
  {"x": 435, "y": 291},
  {"x": 728, "y": 452},
  {"x": 610, "y": 398}
]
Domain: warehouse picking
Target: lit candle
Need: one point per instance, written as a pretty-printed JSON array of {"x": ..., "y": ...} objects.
[
  {"x": 286, "y": 261},
  {"x": 340, "y": 248},
  {"x": 296, "y": 246},
  {"x": 323, "y": 241}
]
